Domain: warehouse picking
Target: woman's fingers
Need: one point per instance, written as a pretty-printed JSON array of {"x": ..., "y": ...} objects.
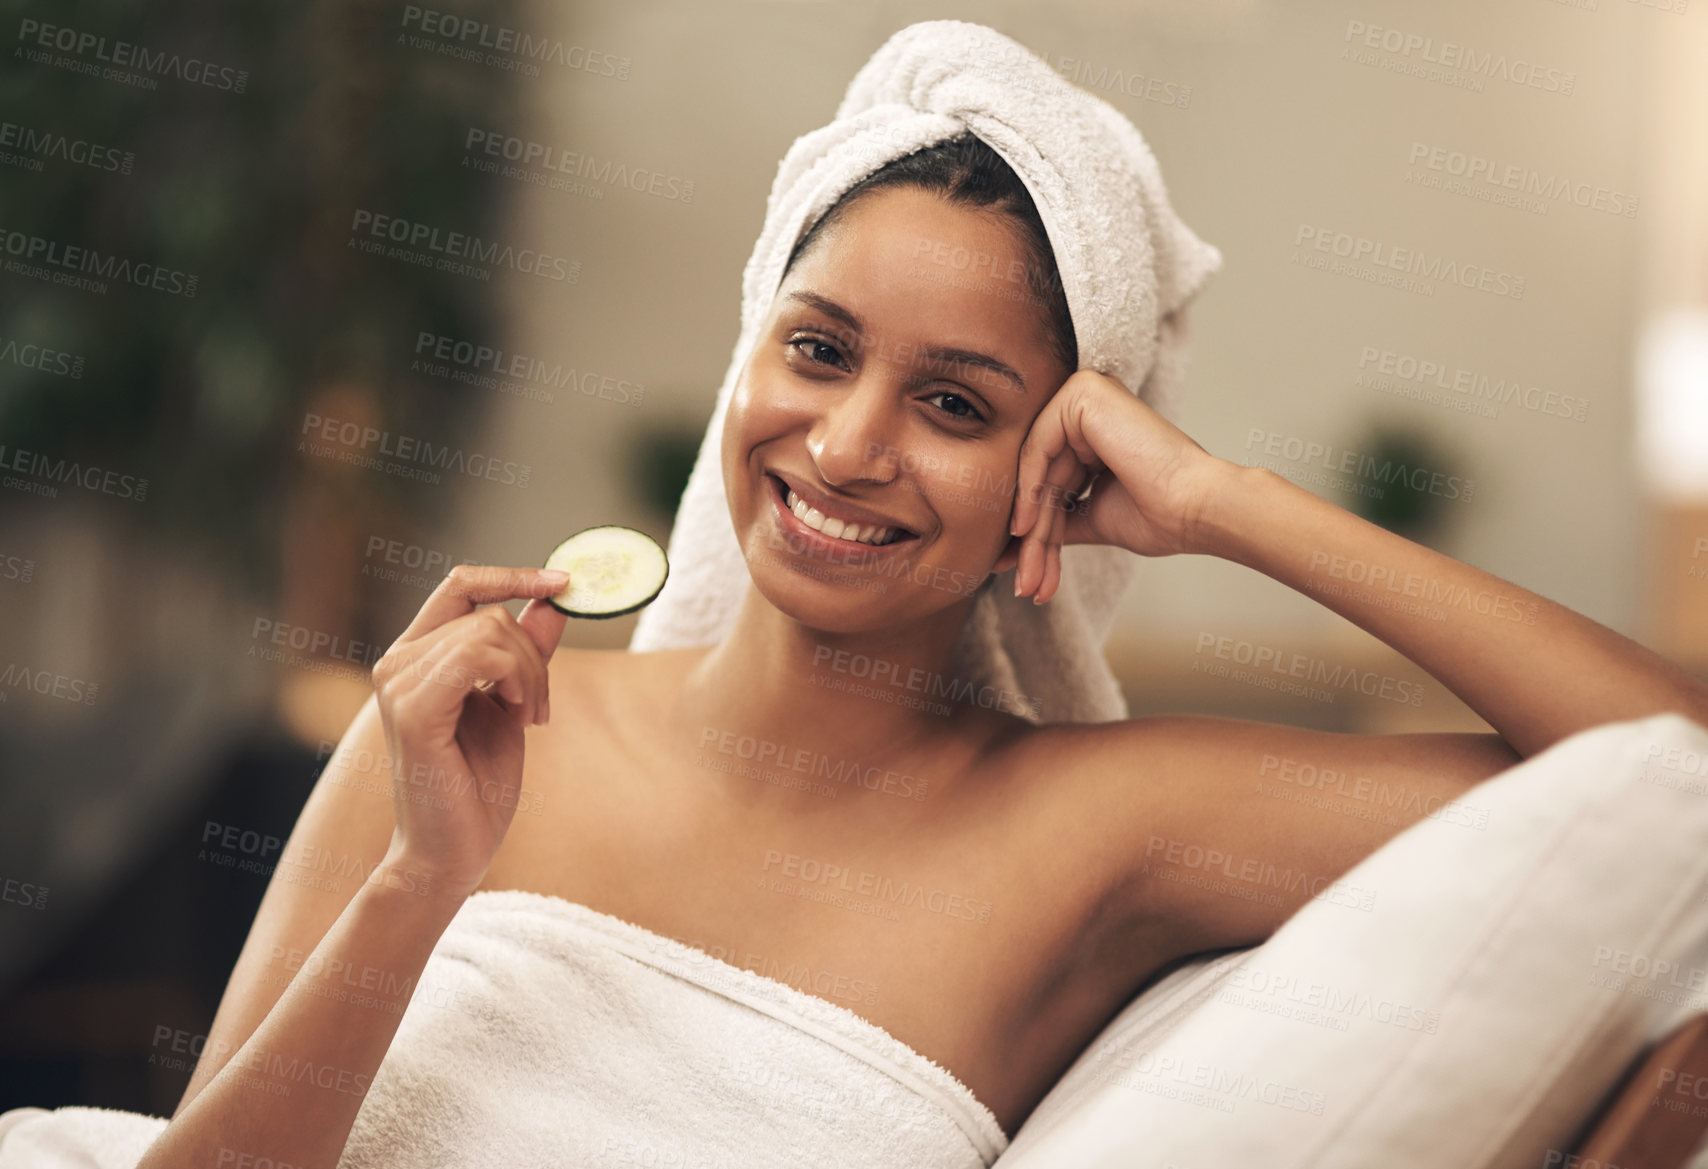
[
  {"x": 543, "y": 623},
  {"x": 507, "y": 634},
  {"x": 444, "y": 655},
  {"x": 1056, "y": 461},
  {"x": 1043, "y": 443},
  {"x": 468, "y": 586},
  {"x": 1064, "y": 476},
  {"x": 493, "y": 670},
  {"x": 1052, "y": 569}
]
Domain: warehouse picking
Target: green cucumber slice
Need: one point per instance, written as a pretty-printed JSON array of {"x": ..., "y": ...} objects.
[{"x": 613, "y": 570}]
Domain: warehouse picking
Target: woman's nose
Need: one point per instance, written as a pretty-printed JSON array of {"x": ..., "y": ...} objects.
[{"x": 853, "y": 437}]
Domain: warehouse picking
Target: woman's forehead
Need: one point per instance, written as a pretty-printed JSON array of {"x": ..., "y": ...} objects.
[{"x": 912, "y": 267}]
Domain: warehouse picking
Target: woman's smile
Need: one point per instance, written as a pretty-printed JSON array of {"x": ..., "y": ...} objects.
[{"x": 810, "y": 532}]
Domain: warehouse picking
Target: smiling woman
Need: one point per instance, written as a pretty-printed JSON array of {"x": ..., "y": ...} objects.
[
  {"x": 884, "y": 398},
  {"x": 967, "y": 303}
]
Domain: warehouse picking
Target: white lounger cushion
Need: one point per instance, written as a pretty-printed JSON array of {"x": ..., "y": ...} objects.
[{"x": 1498, "y": 986}]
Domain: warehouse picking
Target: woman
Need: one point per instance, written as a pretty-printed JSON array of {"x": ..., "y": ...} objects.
[{"x": 881, "y": 411}]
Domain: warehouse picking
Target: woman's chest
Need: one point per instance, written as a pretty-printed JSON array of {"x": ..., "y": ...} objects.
[{"x": 946, "y": 921}]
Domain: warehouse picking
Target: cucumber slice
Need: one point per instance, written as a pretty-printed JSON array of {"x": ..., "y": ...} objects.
[{"x": 613, "y": 570}]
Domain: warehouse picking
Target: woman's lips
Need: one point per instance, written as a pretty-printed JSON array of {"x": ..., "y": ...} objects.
[{"x": 812, "y": 542}]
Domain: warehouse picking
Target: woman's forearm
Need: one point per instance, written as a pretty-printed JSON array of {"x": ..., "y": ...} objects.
[
  {"x": 292, "y": 1091},
  {"x": 1534, "y": 670}
]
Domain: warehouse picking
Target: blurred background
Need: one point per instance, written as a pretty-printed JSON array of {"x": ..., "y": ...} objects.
[{"x": 302, "y": 304}]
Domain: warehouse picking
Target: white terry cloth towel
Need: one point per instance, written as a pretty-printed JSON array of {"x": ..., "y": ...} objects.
[
  {"x": 547, "y": 1033},
  {"x": 543, "y": 1033},
  {"x": 1129, "y": 268},
  {"x": 75, "y": 1138}
]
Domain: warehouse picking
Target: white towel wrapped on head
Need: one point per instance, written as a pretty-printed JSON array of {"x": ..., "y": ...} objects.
[{"x": 1129, "y": 268}]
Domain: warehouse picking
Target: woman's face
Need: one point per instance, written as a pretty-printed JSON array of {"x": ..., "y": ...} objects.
[{"x": 904, "y": 360}]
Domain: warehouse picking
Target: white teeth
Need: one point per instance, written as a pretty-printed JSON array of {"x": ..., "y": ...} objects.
[{"x": 855, "y": 533}]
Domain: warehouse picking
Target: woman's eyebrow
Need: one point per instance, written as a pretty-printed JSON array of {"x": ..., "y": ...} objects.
[{"x": 935, "y": 354}]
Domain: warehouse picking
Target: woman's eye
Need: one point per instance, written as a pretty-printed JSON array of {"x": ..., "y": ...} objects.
[
  {"x": 969, "y": 412},
  {"x": 818, "y": 352}
]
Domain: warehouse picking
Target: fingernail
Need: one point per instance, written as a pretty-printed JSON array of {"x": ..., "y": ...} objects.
[
  {"x": 546, "y": 711},
  {"x": 554, "y": 578}
]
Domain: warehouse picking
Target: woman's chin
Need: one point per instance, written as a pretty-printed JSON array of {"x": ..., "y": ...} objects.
[{"x": 834, "y": 600}]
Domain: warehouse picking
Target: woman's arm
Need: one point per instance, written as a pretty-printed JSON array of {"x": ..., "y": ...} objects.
[
  {"x": 292, "y": 1090},
  {"x": 285, "y": 1070},
  {"x": 1230, "y": 826},
  {"x": 1534, "y": 670}
]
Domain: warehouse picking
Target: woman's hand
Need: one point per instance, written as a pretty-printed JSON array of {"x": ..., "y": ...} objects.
[
  {"x": 1152, "y": 480},
  {"x": 455, "y": 692}
]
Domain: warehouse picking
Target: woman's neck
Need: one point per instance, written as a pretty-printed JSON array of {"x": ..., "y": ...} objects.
[{"x": 819, "y": 707}]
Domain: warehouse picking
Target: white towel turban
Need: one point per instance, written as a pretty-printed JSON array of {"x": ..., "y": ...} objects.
[{"x": 1129, "y": 268}]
